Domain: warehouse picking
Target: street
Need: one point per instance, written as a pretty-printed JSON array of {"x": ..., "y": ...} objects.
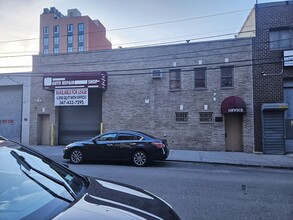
[{"x": 205, "y": 191}]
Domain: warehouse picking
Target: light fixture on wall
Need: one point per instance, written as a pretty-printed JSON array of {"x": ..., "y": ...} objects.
[
  {"x": 39, "y": 100},
  {"x": 215, "y": 95}
]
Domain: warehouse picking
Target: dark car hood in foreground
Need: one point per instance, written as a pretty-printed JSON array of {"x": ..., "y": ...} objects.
[{"x": 109, "y": 200}]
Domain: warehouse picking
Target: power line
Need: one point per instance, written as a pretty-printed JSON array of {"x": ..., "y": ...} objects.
[
  {"x": 155, "y": 58},
  {"x": 172, "y": 42},
  {"x": 140, "y": 26},
  {"x": 179, "y": 20}
]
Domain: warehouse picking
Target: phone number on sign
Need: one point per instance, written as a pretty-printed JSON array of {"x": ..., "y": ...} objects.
[{"x": 72, "y": 102}]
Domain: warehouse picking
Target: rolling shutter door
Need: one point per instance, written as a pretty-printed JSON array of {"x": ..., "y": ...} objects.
[
  {"x": 81, "y": 122},
  {"x": 10, "y": 112},
  {"x": 273, "y": 132}
]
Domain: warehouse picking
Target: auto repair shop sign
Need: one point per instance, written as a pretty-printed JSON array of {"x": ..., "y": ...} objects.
[{"x": 71, "y": 97}]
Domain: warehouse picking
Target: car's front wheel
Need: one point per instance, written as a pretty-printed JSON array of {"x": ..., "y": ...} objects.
[
  {"x": 139, "y": 158},
  {"x": 76, "y": 156}
]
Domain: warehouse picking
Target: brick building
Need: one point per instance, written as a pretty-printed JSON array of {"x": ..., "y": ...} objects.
[
  {"x": 272, "y": 76},
  {"x": 70, "y": 33},
  {"x": 198, "y": 95}
]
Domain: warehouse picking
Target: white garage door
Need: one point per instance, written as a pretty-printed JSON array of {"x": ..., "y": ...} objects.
[{"x": 10, "y": 112}]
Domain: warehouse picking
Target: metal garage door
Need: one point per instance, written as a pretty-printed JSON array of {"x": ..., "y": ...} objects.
[
  {"x": 10, "y": 112},
  {"x": 273, "y": 128},
  {"x": 81, "y": 122}
]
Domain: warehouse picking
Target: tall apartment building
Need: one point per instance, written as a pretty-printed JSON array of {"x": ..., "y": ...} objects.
[{"x": 70, "y": 33}]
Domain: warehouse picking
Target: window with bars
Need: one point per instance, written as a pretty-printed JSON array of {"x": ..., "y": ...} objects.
[
  {"x": 200, "y": 78},
  {"x": 181, "y": 116},
  {"x": 227, "y": 76},
  {"x": 206, "y": 117},
  {"x": 175, "y": 79}
]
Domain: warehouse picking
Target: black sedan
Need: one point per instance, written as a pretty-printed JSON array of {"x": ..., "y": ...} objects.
[
  {"x": 137, "y": 147},
  {"x": 34, "y": 187}
]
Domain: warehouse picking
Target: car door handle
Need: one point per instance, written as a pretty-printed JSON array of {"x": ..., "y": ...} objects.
[
  {"x": 109, "y": 144},
  {"x": 132, "y": 144}
]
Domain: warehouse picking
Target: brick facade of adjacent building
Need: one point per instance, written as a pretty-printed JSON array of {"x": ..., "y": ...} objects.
[{"x": 268, "y": 72}]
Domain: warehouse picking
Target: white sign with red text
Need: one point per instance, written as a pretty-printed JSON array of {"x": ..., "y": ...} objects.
[{"x": 71, "y": 97}]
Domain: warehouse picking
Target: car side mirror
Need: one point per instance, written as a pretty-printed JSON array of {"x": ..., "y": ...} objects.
[{"x": 95, "y": 141}]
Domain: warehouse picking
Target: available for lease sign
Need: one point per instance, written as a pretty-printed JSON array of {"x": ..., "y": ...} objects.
[{"x": 71, "y": 97}]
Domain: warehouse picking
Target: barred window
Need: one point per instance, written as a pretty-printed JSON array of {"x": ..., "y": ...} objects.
[
  {"x": 206, "y": 117},
  {"x": 181, "y": 116}
]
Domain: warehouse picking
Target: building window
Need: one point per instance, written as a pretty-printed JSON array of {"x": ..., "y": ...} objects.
[
  {"x": 45, "y": 41},
  {"x": 200, "y": 78},
  {"x": 181, "y": 116},
  {"x": 175, "y": 79},
  {"x": 56, "y": 40},
  {"x": 69, "y": 49},
  {"x": 227, "y": 76},
  {"x": 69, "y": 39},
  {"x": 46, "y": 51},
  {"x": 281, "y": 39},
  {"x": 80, "y": 48},
  {"x": 206, "y": 117},
  {"x": 56, "y": 29},
  {"x": 70, "y": 28},
  {"x": 80, "y": 27},
  {"x": 80, "y": 38},
  {"x": 46, "y": 30},
  {"x": 56, "y": 50}
]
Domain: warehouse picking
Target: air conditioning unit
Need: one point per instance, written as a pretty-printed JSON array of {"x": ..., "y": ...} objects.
[{"x": 156, "y": 74}]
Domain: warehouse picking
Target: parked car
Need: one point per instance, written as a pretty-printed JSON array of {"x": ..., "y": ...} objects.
[
  {"x": 33, "y": 186},
  {"x": 138, "y": 147}
]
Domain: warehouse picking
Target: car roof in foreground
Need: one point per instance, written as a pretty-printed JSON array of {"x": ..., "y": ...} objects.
[{"x": 132, "y": 132}]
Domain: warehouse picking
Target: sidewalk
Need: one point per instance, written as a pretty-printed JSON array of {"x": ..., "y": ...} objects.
[
  {"x": 213, "y": 157},
  {"x": 233, "y": 158}
]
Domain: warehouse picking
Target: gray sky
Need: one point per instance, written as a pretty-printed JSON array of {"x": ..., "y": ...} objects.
[{"x": 19, "y": 21}]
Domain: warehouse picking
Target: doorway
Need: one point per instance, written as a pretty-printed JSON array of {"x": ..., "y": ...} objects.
[
  {"x": 234, "y": 132},
  {"x": 45, "y": 129}
]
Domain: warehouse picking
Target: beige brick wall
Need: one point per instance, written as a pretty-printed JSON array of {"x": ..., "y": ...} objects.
[{"x": 130, "y": 84}]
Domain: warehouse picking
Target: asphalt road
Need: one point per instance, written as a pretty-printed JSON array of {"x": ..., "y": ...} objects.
[{"x": 205, "y": 191}]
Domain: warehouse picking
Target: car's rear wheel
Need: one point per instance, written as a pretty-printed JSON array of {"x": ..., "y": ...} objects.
[
  {"x": 76, "y": 156},
  {"x": 139, "y": 158}
]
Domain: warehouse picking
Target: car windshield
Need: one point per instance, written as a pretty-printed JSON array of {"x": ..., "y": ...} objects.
[{"x": 31, "y": 184}]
